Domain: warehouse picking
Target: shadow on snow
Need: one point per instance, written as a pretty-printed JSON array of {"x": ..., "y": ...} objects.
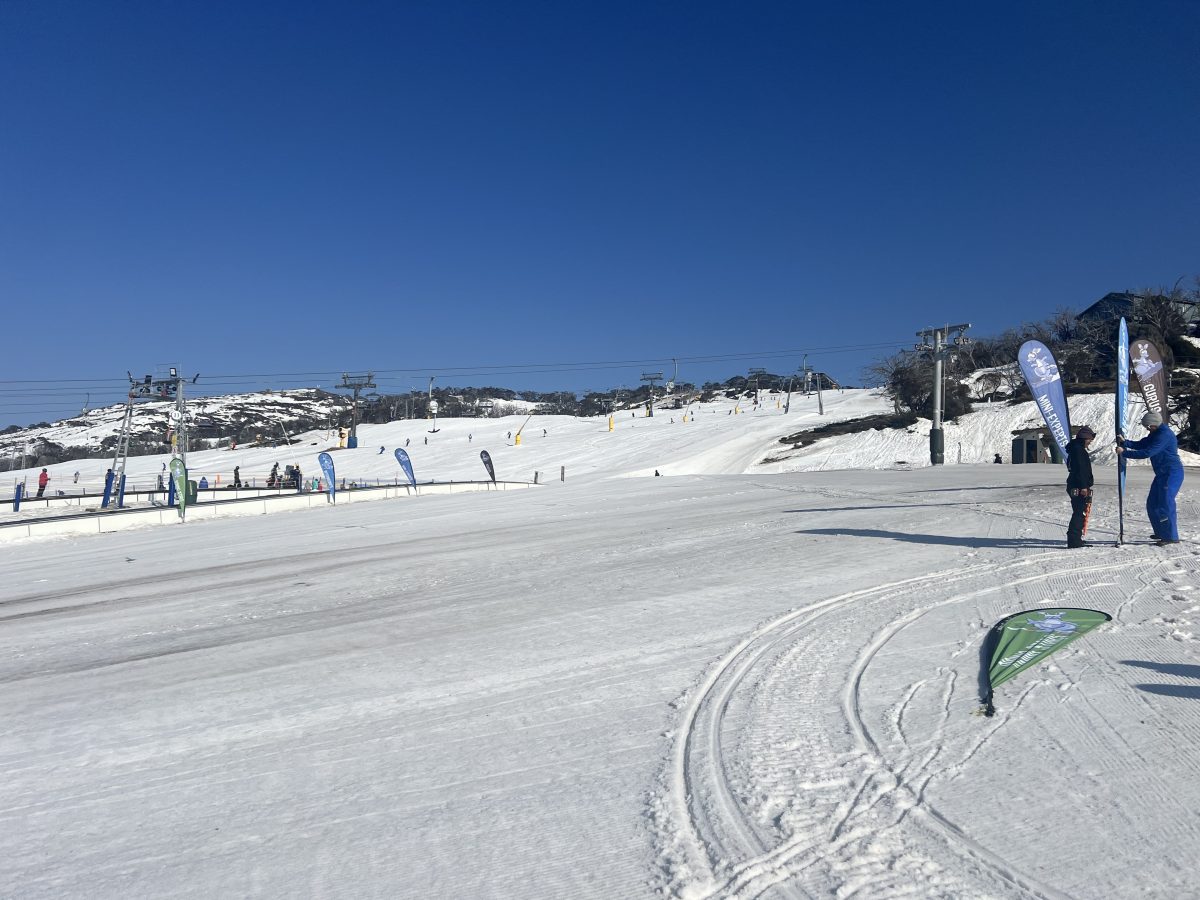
[{"x": 911, "y": 538}]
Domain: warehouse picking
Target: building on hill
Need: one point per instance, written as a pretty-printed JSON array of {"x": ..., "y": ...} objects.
[
  {"x": 1034, "y": 445},
  {"x": 1115, "y": 304}
]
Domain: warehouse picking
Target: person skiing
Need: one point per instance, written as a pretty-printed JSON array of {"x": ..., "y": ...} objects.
[
  {"x": 1162, "y": 449},
  {"x": 1079, "y": 484},
  {"x": 43, "y": 480}
]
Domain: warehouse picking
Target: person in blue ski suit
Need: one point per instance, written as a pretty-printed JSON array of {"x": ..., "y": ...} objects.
[{"x": 1161, "y": 448}]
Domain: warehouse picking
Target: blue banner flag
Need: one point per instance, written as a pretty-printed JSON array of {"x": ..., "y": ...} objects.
[
  {"x": 406, "y": 465},
  {"x": 487, "y": 464},
  {"x": 326, "y": 462},
  {"x": 1122, "y": 420},
  {"x": 1041, "y": 374}
]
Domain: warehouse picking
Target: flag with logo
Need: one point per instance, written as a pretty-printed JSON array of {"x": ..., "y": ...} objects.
[
  {"x": 487, "y": 464},
  {"x": 326, "y": 462},
  {"x": 1122, "y": 420},
  {"x": 1041, "y": 374},
  {"x": 1026, "y": 638},
  {"x": 1151, "y": 375},
  {"x": 406, "y": 465},
  {"x": 179, "y": 479}
]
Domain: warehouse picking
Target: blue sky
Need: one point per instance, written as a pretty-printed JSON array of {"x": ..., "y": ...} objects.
[{"x": 271, "y": 193}]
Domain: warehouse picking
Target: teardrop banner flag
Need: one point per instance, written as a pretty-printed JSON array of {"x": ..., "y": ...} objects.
[
  {"x": 1041, "y": 374},
  {"x": 406, "y": 465},
  {"x": 326, "y": 462},
  {"x": 487, "y": 464},
  {"x": 1151, "y": 376},
  {"x": 179, "y": 478},
  {"x": 1122, "y": 420},
  {"x": 1024, "y": 639}
]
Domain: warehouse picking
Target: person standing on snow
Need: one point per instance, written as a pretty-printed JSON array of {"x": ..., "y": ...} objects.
[
  {"x": 1079, "y": 484},
  {"x": 1161, "y": 448},
  {"x": 43, "y": 480}
]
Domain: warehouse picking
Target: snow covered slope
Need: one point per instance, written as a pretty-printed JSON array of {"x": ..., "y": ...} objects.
[{"x": 714, "y": 440}]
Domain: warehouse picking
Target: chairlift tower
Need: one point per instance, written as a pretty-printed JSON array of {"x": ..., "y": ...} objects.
[
  {"x": 356, "y": 383},
  {"x": 151, "y": 388},
  {"x": 942, "y": 346},
  {"x": 754, "y": 376},
  {"x": 651, "y": 378}
]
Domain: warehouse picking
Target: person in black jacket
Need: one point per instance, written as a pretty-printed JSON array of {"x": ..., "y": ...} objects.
[{"x": 1079, "y": 484}]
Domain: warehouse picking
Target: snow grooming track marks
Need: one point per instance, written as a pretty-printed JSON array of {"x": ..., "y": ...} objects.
[
  {"x": 700, "y": 844},
  {"x": 715, "y": 837}
]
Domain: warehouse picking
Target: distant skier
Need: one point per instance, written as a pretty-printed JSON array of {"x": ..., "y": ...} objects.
[
  {"x": 237, "y": 476},
  {"x": 406, "y": 440},
  {"x": 380, "y": 450},
  {"x": 1162, "y": 449},
  {"x": 470, "y": 437},
  {"x": 43, "y": 480},
  {"x": 1079, "y": 484},
  {"x": 77, "y": 476}
]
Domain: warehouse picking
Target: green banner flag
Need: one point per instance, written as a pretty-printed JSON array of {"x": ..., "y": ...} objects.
[
  {"x": 179, "y": 476},
  {"x": 1024, "y": 639}
]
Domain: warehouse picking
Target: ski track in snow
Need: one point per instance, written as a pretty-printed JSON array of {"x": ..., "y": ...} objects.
[{"x": 883, "y": 837}]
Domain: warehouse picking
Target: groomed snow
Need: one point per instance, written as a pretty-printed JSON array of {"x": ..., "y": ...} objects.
[{"x": 726, "y": 682}]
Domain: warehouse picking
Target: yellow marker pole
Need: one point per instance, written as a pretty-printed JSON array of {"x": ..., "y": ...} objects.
[
  {"x": 610, "y": 423},
  {"x": 517, "y": 439}
]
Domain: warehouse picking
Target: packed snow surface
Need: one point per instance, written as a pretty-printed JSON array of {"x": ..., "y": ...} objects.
[{"x": 732, "y": 681}]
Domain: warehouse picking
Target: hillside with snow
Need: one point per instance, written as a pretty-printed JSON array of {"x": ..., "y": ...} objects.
[{"x": 724, "y": 436}]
